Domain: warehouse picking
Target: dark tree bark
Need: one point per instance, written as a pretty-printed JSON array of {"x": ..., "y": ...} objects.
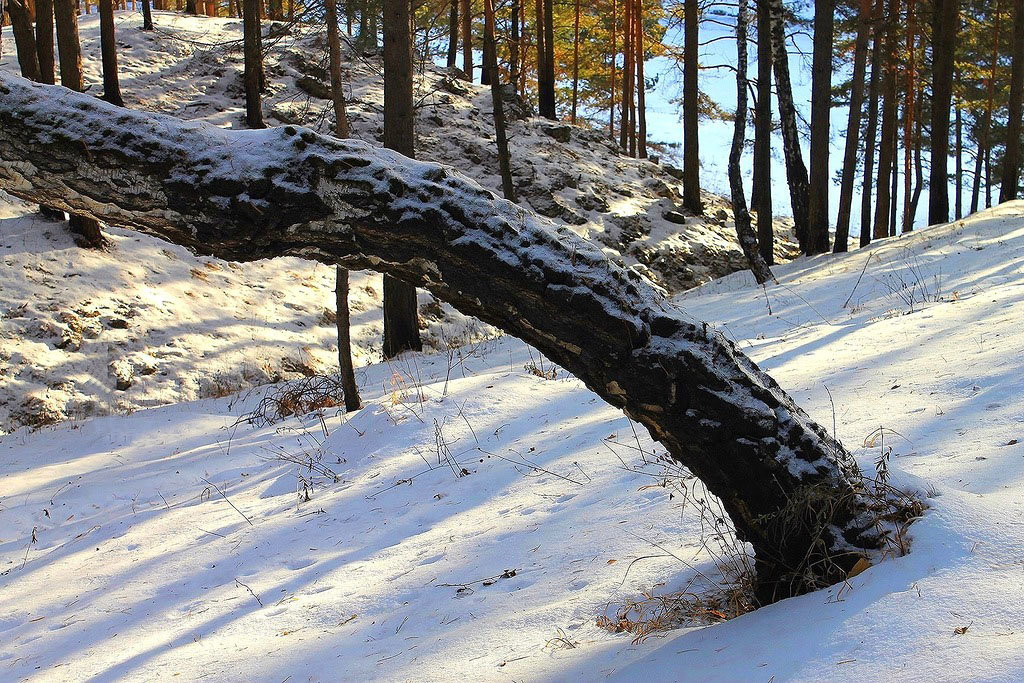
[
  {"x": 744, "y": 231},
  {"x": 513, "y": 45},
  {"x": 485, "y": 57},
  {"x": 575, "y": 62},
  {"x": 467, "y": 40},
  {"x": 147, "y": 16},
  {"x": 959, "y": 124},
  {"x": 497, "y": 104},
  {"x": 253, "y": 64},
  {"x": 860, "y": 61},
  {"x": 887, "y": 141},
  {"x": 108, "y": 48},
  {"x": 691, "y": 109},
  {"x": 190, "y": 7},
  {"x": 821, "y": 107},
  {"x": 546, "y": 62},
  {"x": 981, "y": 147},
  {"x": 401, "y": 325},
  {"x": 1011, "y": 159},
  {"x": 895, "y": 181},
  {"x": 453, "y": 34},
  {"x": 615, "y": 56},
  {"x": 341, "y": 128},
  {"x": 344, "y": 323},
  {"x": 915, "y": 198},
  {"x": 761, "y": 191},
  {"x": 871, "y": 134},
  {"x": 796, "y": 171},
  {"x": 628, "y": 74},
  {"x": 792, "y": 491},
  {"x": 641, "y": 103},
  {"x": 343, "y": 320},
  {"x": 945, "y": 23},
  {"x": 44, "y": 41},
  {"x": 24, "y": 38},
  {"x": 86, "y": 229}
]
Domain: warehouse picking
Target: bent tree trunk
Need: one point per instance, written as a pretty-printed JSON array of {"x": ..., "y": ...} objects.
[{"x": 791, "y": 490}]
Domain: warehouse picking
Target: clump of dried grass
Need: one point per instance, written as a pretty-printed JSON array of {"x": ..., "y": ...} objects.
[{"x": 299, "y": 397}]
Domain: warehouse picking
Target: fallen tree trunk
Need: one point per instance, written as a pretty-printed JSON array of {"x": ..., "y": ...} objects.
[{"x": 792, "y": 491}]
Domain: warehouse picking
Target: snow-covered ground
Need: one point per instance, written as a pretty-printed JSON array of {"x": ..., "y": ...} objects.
[
  {"x": 147, "y": 324},
  {"x": 476, "y": 519}
]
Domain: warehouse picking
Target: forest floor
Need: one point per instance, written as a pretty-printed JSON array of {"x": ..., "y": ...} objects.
[
  {"x": 145, "y": 324},
  {"x": 479, "y": 517}
]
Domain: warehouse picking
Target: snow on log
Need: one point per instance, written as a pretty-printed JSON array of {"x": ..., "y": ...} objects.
[{"x": 791, "y": 490}]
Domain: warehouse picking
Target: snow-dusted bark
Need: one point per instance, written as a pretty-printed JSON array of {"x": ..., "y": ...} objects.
[{"x": 249, "y": 194}]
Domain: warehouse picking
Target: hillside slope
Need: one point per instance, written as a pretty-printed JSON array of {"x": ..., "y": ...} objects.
[
  {"x": 146, "y": 324},
  {"x": 477, "y": 518}
]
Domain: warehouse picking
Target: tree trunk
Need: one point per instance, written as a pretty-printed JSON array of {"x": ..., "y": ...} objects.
[
  {"x": 887, "y": 144},
  {"x": 343, "y": 319},
  {"x": 1011, "y": 160},
  {"x": 337, "y": 85},
  {"x": 860, "y": 61},
  {"x": 796, "y": 172},
  {"x": 744, "y": 231},
  {"x": 895, "y": 183},
  {"x": 871, "y": 134},
  {"x": 959, "y": 136},
  {"x": 147, "y": 16},
  {"x": 615, "y": 56},
  {"x": 44, "y": 41},
  {"x": 253, "y": 64},
  {"x": 691, "y": 110},
  {"x": 761, "y": 191},
  {"x": 631, "y": 124},
  {"x": 628, "y": 73},
  {"x": 908, "y": 116},
  {"x": 546, "y": 63},
  {"x": 401, "y": 326},
  {"x": 918, "y": 165},
  {"x": 641, "y": 104},
  {"x": 821, "y": 107},
  {"x": 485, "y": 75},
  {"x": 467, "y": 40},
  {"x": 453, "y": 34},
  {"x": 344, "y": 324},
  {"x": 497, "y": 104},
  {"x": 87, "y": 230},
  {"x": 792, "y": 491},
  {"x": 575, "y": 63},
  {"x": 514, "y": 47},
  {"x": 24, "y": 38},
  {"x": 945, "y": 24},
  {"x": 108, "y": 48}
]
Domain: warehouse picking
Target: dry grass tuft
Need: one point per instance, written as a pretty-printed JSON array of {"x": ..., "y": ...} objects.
[{"x": 309, "y": 394}]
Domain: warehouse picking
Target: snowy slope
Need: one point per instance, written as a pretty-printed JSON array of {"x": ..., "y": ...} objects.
[
  {"x": 195, "y": 551},
  {"x": 148, "y": 324}
]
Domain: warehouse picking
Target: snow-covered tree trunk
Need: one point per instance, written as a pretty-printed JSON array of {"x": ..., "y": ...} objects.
[{"x": 790, "y": 488}]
